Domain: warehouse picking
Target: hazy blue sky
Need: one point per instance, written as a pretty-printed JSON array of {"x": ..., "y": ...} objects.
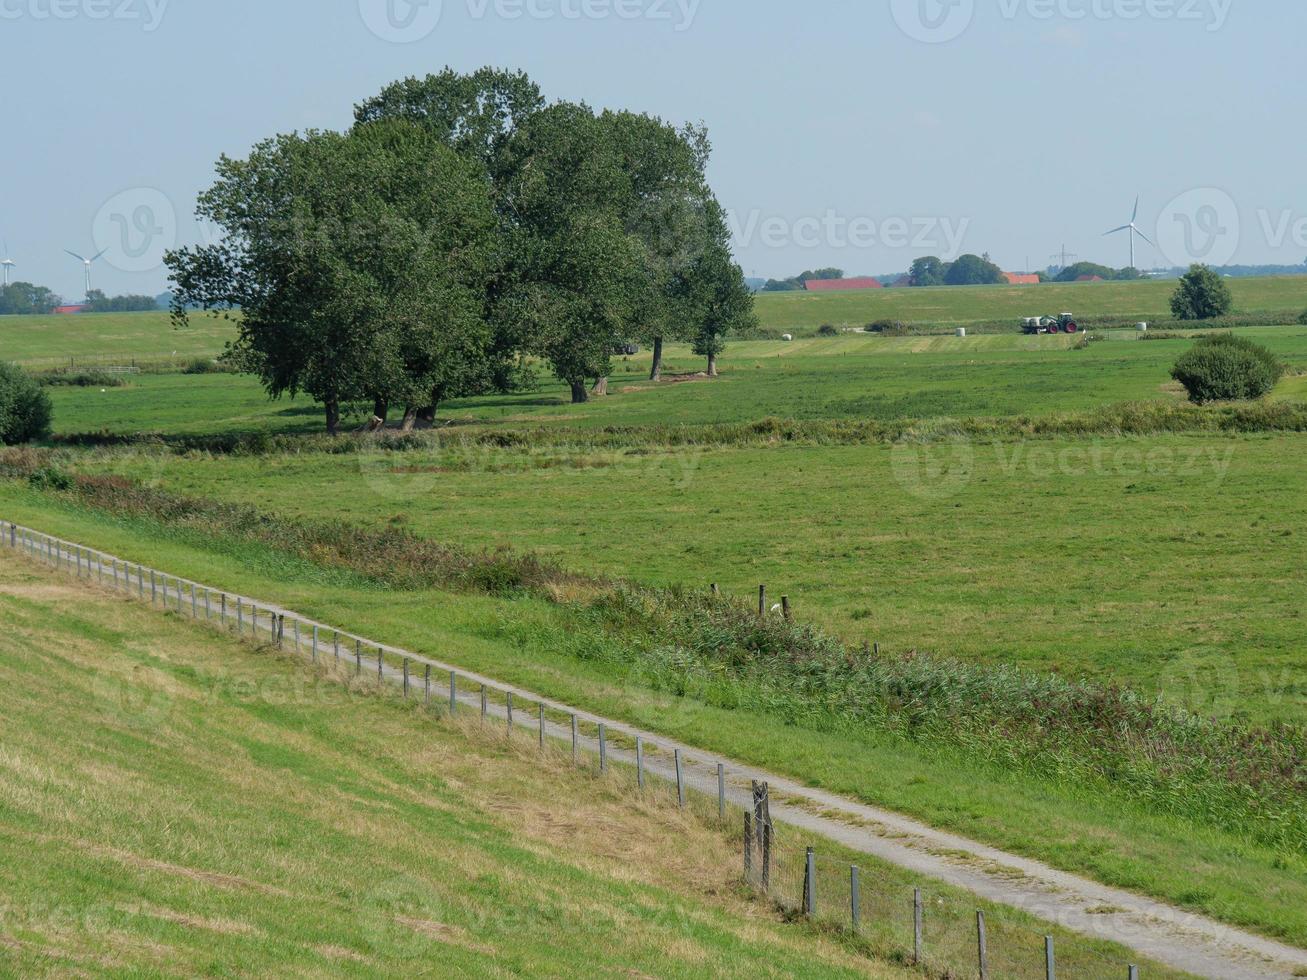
[{"x": 857, "y": 133}]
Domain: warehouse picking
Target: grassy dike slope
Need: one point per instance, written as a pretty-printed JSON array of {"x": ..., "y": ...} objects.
[
  {"x": 174, "y": 803},
  {"x": 1082, "y": 826}
]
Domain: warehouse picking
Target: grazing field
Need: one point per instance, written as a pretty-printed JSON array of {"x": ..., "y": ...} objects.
[
  {"x": 1142, "y": 300},
  {"x": 1087, "y": 825},
  {"x": 857, "y": 376},
  {"x": 54, "y": 341},
  {"x": 1163, "y": 564},
  {"x": 175, "y": 803}
]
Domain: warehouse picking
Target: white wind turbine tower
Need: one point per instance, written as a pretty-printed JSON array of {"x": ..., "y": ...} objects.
[
  {"x": 86, "y": 264},
  {"x": 7, "y": 263},
  {"x": 1134, "y": 230}
]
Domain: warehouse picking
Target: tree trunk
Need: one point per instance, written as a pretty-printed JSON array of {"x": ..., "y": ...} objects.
[
  {"x": 657, "y": 373},
  {"x": 600, "y": 389},
  {"x": 410, "y": 419},
  {"x": 579, "y": 395},
  {"x": 380, "y": 409},
  {"x": 712, "y": 365},
  {"x": 333, "y": 417}
]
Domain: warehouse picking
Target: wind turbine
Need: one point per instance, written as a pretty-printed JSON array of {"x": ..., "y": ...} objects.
[
  {"x": 7, "y": 263},
  {"x": 1134, "y": 230},
  {"x": 87, "y": 263}
]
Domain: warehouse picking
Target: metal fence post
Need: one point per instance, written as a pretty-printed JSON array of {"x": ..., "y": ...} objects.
[
  {"x": 1050, "y": 961},
  {"x": 855, "y": 897},
  {"x": 639, "y": 762},
  {"x": 453, "y": 693},
  {"x": 426, "y": 686},
  {"x": 335, "y": 641},
  {"x": 315, "y": 644},
  {"x": 358, "y": 658},
  {"x": 485, "y": 704},
  {"x": 680, "y": 780},
  {"x": 575, "y": 740},
  {"x": 603, "y": 748},
  {"x": 542, "y": 726},
  {"x": 1134, "y": 973},
  {"x": 381, "y": 666},
  {"x": 810, "y": 885},
  {"x": 982, "y": 946},
  {"x": 510, "y": 714},
  {"x": 918, "y": 926},
  {"x": 406, "y": 678}
]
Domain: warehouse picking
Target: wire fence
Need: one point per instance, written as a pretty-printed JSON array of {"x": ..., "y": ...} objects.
[{"x": 916, "y": 925}]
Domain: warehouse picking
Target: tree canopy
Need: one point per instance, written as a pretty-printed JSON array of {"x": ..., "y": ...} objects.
[
  {"x": 461, "y": 225},
  {"x": 1201, "y": 295},
  {"x": 24, "y": 298}
]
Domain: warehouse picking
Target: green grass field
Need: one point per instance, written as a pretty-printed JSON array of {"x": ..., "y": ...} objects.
[
  {"x": 176, "y": 804},
  {"x": 1166, "y": 563},
  {"x": 1143, "y": 300},
  {"x": 857, "y": 376},
  {"x": 55, "y": 341},
  {"x": 276, "y": 818}
]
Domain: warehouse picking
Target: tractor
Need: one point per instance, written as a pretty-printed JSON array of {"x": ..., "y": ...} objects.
[{"x": 1063, "y": 323}]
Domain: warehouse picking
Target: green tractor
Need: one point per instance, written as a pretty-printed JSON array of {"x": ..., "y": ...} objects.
[{"x": 1062, "y": 323}]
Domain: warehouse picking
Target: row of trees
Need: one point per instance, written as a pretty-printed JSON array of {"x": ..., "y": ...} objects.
[
  {"x": 461, "y": 226},
  {"x": 98, "y": 302},
  {"x": 27, "y": 299},
  {"x": 800, "y": 282},
  {"x": 966, "y": 270}
]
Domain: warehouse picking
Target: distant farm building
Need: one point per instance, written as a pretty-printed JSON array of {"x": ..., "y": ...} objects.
[
  {"x": 902, "y": 282},
  {"x": 1091, "y": 279},
  {"x": 842, "y": 285},
  {"x": 1021, "y": 279},
  {"x": 70, "y": 309}
]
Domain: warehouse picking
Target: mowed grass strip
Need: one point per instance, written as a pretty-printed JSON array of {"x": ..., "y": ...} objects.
[
  {"x": 1082, "y": 826},
  {"x": 175, "y": 803}
]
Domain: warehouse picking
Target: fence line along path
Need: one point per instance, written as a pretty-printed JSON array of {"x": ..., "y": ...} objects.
[{"x": 1182, "y": 940}]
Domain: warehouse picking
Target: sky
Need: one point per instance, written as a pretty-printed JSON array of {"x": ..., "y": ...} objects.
[{"x": 860, "y": 134}]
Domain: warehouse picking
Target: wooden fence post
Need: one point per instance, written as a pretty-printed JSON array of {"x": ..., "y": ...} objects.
[
  {"x": 1134, "y": 973},
  {"x": 762, "y": 601},
  {"x": 542, "y": 726},
  {"x": 982, "y": 946},
  {"x": 315, "y": 644},
  {"x": 603, "y": 748},
  {"x": 426, "y": 686},
  {"x": 510, "y": 714},
  {"x": 575, "y": 740},
  {"x": 406, "y": 678},
  {"x": 785, "y": 608},
  {"x": 453, "y": 693},
  {"x": 381, "y": 666},
  {"x": 680, "y": 780},
  {"x": 485, "y": 704},
  {"x": 358, "y": 658},
  {"x": 336, "y": 644},
  {"x": 639, "y": 762},
  {"x": 748, "y": 846}
]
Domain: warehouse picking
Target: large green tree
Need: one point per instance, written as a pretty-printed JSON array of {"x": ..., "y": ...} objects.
[
  {"x": 358, "y": 262},
  {"x": 1201, "y": 295},
  {"x": 25, "y": 298},
  {"x": 973, "y": 270},
  {"x": 719, "y": 294},
  {"x": 577, "y": 274}
]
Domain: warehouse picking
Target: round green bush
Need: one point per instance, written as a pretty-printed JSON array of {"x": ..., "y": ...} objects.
[
  {"x": 1227, "y": 368},
  {"x": 827, "y": 330},
  {"x": 25, "y": 411}
]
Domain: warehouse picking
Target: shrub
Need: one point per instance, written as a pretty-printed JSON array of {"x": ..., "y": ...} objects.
[
  {"x": 82, "y": 379},
  {"x": 25, "y": 410},
  {"x": 208, "y": 365},
  {"x": 890, "y": 328},
  {"x": 826, "y": 330},
  {"x": 1226, "y": 368},
  {"x": 1303, "y": 318},
  {"x": 1202, "y": 295}
]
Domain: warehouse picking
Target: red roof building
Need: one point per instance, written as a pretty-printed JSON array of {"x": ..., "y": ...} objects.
[
  {"x": 70, "y": 309},
  {"x": 1091, "y": 279},
  {"x": 842, "y": 285},
  {"x": 1020, "y": 279}
]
